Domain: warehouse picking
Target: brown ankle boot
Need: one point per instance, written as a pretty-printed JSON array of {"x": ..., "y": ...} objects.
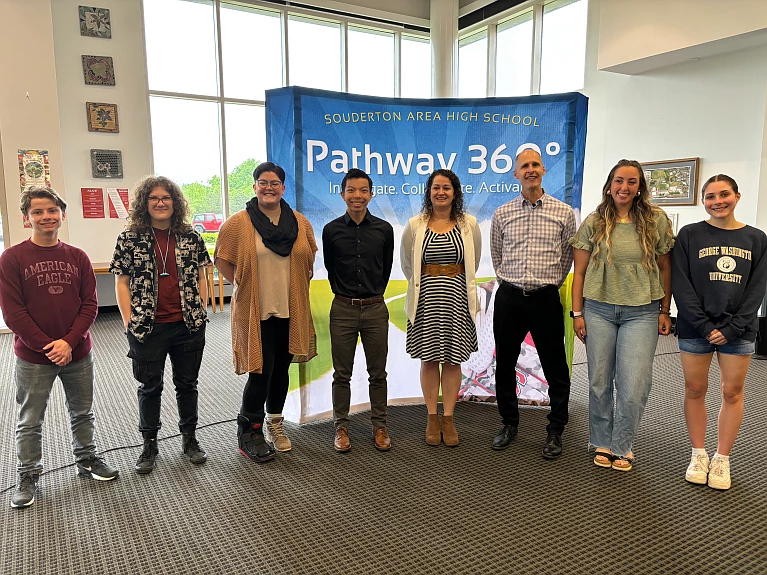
[
  {"x": 449, "y": 433},
  {"x": 433, "y": 433}
]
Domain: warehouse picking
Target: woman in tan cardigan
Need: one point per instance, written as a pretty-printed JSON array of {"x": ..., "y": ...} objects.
[{"x": 266, "y": 252}]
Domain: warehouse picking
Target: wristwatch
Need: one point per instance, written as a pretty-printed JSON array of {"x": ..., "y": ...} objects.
[{"x": 573, "y": 314}]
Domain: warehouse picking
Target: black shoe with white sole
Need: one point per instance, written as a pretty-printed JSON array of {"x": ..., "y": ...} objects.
[
  {"x": 26, "y": 488},
  {"x": 97, "y": 468}
]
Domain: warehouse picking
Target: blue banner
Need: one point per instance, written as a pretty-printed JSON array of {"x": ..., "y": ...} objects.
[{"x": 317, "y": 136}]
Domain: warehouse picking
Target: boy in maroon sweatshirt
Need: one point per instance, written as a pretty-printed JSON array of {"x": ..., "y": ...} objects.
[{"x": 48, "y": 299}]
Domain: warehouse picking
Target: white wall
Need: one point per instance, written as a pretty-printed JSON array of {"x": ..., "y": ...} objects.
[
  {"x": 96, "y": 236},
  {"x": 713, "y": 108},
  {"x": 29, "y": 111},
  {"x": 633, "y": 31}
]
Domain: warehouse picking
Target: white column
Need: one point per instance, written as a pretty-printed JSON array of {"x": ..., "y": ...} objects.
[{"x": 443, "y": 17}]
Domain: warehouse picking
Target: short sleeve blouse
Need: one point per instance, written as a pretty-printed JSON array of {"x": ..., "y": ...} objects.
[{"x": 623, "y": 280}]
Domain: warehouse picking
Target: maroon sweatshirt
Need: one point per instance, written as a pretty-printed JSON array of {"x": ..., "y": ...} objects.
[{"x": 47, "y": 293}]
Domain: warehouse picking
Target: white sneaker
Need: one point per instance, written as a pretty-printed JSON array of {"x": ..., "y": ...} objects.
[
  {"x": 719, "y": 473},
  {"x": 275, "y": 434},
  {"x": 697, "y": 471}
]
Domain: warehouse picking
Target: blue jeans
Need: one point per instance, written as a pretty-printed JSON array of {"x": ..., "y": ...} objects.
[
  {"x": 701, "y": 346},
  {"x": 33, "y": 387},
  {"x": 620, "y": 348}
]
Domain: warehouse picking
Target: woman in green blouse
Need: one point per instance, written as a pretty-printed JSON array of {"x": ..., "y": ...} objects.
[{"x": 621, "y": 299}]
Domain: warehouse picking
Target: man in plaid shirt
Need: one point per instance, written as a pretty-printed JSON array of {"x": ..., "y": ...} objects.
[{"x": 532, "y": 257}]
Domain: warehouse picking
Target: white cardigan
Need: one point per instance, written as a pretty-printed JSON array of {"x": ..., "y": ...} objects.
[{"x": 411, "y": 253}]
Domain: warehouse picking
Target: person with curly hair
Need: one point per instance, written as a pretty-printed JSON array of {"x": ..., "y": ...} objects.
[
  {"x": 621, "y": 297},
  {"x": 159, "y": 263},
  {"x": 720, "y": 275},
  {"x": 440, "y": 254}
]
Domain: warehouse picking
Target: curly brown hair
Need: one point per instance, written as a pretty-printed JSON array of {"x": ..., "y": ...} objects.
[
  {"x": 139, "y": 219},
  {"x": 456, "y": 210},
  {"x": 642, "y": 210}
]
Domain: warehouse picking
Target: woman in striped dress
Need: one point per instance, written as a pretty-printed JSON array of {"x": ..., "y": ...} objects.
[{"x": 440, "y": 254}]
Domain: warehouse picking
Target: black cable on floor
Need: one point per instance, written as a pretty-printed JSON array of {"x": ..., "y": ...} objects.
[{"x": 120, "y": 448}]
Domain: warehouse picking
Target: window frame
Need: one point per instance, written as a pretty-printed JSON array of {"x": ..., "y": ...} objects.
[
  {"x": 491, "y": 25},
  {"x": 284, "y": 13}
]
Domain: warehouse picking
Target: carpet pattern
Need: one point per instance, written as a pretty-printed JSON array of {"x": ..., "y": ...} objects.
[{"x": 416, "y": 509}]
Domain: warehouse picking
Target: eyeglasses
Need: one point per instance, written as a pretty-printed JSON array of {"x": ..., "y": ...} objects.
[
  {"x": 163, "y": 200},
  {"x": 273, "y": 184}
]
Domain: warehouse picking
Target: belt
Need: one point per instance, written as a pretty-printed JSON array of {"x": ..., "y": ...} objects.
[
  {"x": 361, "y": 302},
  {"x": 533, "y": 291},
  {"x": 450, "y": 270}
]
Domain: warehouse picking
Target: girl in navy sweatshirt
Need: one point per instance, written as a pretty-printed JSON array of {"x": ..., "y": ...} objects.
[{"x": 719, "y": 281}]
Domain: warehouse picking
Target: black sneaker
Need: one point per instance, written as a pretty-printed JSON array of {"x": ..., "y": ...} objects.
[
  {"x": 254, "y": 446},
  {"x": 24, "y": 494},
  {"x": 147, "y": 461},
  {"x": 553, "y": 447},
  {"x": 192, "y": 449},
  {"x": 96, "y": 468}
]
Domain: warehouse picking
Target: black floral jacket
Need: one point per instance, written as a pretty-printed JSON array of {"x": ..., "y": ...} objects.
[{"x": 134, "y": 256}]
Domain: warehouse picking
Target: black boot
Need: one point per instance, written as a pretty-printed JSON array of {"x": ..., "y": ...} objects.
[
  {"x": 147, "y": 461},
  {"x": 252, "y": 444},
  {"x": 192, "y": 449}
]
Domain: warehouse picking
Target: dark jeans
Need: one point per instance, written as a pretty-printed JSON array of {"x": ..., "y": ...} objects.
[
  {"x": 185, "y": 350},
  {"x": 271, "y": 385},
  {"x": 371, "y": 324},
  {"x": 540, "y": 314}
]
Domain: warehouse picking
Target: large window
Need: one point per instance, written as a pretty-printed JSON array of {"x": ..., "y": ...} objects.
[
  {"x": 315, "y": 53},
  {"x": 472, "y": 63},
  {"x": 371, "y": 62},
  {"x": 541, "y": 50},
  {"x": 415, "y": 67},
  {"x": 514, "y": 56},
  {"x": 210, "y": 63},
  {"x": 563, "y": 50}
]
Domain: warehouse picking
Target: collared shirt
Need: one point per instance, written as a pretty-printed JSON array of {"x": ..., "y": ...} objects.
[
  {"x": 135, "y": 257},
  {"x": 358, "y": 257},
  {"x": 529, "y": 243}
]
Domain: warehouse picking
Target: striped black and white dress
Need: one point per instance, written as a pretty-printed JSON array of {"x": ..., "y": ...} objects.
[{"x": 443, "y": 330}]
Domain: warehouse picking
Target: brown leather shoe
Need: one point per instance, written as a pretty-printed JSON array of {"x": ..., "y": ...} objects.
[
  {"x": 449, "y": 433},
  {"x": 383, "y": 442},
  {"x": 433, "y": 432},
  {"x": 341, "y": 442}
]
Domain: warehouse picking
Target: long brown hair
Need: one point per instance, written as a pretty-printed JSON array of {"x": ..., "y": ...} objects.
[
  {"x": 642, "y": 210},
  {"x": 139, "y": 219}
]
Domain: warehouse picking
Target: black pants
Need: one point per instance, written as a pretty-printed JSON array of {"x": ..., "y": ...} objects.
[
  {"x": 540, "y": 314},
  {"x": 271, "y": 385},
  {"x": 185, "y": 350}
]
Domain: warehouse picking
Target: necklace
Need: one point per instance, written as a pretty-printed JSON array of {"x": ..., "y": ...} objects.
[
  {"x": 624, "y": 220},
  {"x": 164, "y": 257}
]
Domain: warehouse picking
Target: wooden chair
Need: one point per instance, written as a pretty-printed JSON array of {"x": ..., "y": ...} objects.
[{"x": 210, "y": 272}]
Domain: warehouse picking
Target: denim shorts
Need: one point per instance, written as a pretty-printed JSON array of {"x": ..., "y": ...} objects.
[{"x": 701, "y": 346}]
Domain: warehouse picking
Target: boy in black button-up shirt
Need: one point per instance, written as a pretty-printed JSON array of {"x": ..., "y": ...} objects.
[{"x": 358, "y": 249}]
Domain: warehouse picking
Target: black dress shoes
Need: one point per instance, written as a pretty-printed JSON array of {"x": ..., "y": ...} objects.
[
  {"x": 553, "y": 447},
  {"x": 504, "y": 437}
]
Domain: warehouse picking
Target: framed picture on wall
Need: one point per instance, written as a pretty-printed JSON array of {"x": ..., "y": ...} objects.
[
  {"x": 102, "y": 117},
  {"x": 95, "y": 22},
  {"x": 99, "y": 70},
  {"x": 672, "y": 182}
]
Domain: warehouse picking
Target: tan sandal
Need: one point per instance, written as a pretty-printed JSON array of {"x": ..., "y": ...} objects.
[
  {"x": 603, "y": 459},
  {"x": 624, "y": 463}
]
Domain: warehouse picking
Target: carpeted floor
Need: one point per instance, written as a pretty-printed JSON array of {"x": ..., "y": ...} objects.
[{"x": 416, "y": 509}]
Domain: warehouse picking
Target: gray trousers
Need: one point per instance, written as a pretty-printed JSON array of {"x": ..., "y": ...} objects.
[
  {"x": 371, "y": 324},
  {"x": 33, "y": 387}
]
